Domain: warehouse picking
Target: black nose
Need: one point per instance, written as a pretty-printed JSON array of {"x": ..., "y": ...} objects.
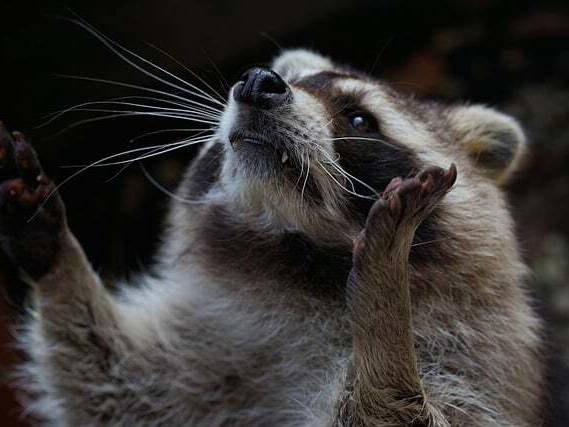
[{"x": 262, "y": 88}]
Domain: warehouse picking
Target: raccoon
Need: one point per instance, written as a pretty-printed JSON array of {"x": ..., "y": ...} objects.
[{"x": 337, "y": 255}]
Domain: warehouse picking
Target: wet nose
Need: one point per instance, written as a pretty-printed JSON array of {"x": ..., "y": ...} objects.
[{"x": 261, "y": 88}]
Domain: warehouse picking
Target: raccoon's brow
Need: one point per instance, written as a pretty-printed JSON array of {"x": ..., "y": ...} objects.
[{"x": 324, "y": 87}]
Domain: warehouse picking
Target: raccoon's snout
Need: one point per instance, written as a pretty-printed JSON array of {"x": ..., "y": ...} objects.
[{"x": 262, "y": 88}]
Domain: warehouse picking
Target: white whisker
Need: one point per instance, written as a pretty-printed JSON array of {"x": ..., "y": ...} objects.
[
  {"x": 305, "y": 179},
  {"x": 194, "y": 74},
  {"x": 431, "y": 241},
  {"x": 115, "y": 175},
  {"x": 172, "y": 112},
  {"x": 134, "y": 150},
  {"x": 132, "y": 104},
  {"x": 166, "y": 148},
  {"x": 169, "y": 114},
  {"x": 114, "y": 47},
  {"x": 342, "y": 171},
  {"x": 85, "y": 121},
  {"x": 154, "y": 154},
  {"x": 164, "y": 190},
  {"x": 159, "y": 131},
  {"x": 343, "y": 187},
  {"x": 180, "y": 104},
  {"x": 100, "y": 161},
  {"x": 111, "y": 101},
  {"x": 118, "y": 113},
  {"x": 142, "y": 88},
  {"x": 301, "y": 169}
]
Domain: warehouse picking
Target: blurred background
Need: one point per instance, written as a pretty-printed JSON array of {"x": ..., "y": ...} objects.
[{"x": 513, "y": 55}]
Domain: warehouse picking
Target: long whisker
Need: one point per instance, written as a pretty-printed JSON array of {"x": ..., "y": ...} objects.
[
  {"x": 153, "y": 154},
  {"x": 180, "y": 104},
  {"x": 83, "y": 169},
  {"x": 301, "y": 168},
  {"x": 118, "y": 100},
  {"x": 174, "y": 115},
  {"x": 172, "y": 112},
  {"x": 132, "y": 104},
  {"x": 117, "y": 48},
  {"x": 164, "y": 190},
  {"x": 133, "y": 150},
  {"x": 344, "y": 188},
  {"x": 176, "y": 111},
  {"x": 194, "y": 74},
  {"x": 442, "y": 239},
  {"x": 138, "y": 87},
  {"x": 127, "y": 165},
  {"x": 305, "y": 179},
  {"x": 350, "y": 177},
  {"x": 335, "y": 164},
  {"x": 222, "y": 79},
  {"x": 96, "y": 119},
  {"x": 167, "y": 113},
  {"x": 167, "y": 105},
  {"x": 85, "y": 121},
  {"x": 154, "y": 151},
  {"x": 115, "y": 175},
  {"x": 159, "y": 131}
]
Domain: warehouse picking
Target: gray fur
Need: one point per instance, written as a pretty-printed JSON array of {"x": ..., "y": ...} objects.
[{"x": 434, "y": 333}]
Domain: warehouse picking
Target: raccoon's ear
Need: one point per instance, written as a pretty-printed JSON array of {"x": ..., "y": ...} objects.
[
  {"x": 494, "y": 141},
  {"x": 295, "y": 62}
]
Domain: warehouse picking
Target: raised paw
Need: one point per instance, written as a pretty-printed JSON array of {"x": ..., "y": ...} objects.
[
  {"x": 415, "y": 198},
  {"x": 403, "y": 205},
  {"x": 32, "y": 215}
]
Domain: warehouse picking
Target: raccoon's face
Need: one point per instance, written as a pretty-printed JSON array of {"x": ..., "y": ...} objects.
[{"x": 307, "y": 142}]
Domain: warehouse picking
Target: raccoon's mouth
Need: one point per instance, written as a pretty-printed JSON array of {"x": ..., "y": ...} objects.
[
  {"x": 252, "y": 143},
  {"x": 239, "y": 137}
]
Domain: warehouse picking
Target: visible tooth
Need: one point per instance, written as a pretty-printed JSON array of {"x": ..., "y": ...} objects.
[{"x": 285, "y": 157}]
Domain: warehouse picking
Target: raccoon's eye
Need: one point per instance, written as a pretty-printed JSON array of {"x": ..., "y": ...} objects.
[{"x": 362, "y": 122}]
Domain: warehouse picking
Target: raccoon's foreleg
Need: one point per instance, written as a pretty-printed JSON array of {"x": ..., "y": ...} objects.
[
  {"x": 384, "y": 384},
  {"x": 77, "y": 335}
]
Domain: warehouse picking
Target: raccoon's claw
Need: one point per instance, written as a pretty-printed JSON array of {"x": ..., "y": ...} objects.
[{"x": 31, "y": 214}]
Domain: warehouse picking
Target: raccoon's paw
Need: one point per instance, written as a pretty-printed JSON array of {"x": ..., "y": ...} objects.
[
  {"x": 403, "y": 205},
  {"x": 32, "y": 217},
  {"x": 413, "y": 199}
]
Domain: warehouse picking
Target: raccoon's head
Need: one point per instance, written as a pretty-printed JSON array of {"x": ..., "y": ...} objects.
[{"x": 307, "y": 145}]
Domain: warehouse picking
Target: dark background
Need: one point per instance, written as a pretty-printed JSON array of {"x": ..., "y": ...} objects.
[{"x": 513, "y": 55}]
